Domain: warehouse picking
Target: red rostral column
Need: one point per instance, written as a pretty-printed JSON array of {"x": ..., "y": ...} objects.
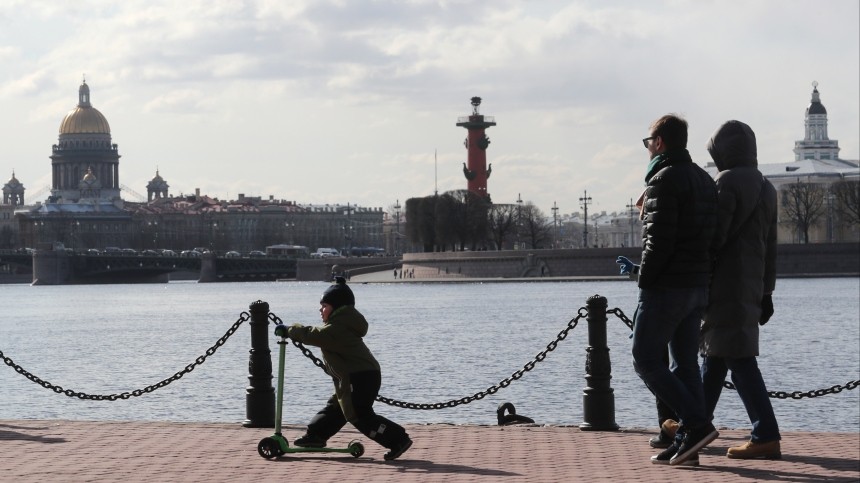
[{"x": 476, "y": 171}]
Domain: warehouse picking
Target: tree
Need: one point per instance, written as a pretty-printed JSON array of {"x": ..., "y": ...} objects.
[
  {"x": 846, "y": 197},
  {"x": 421, "y": 221},
  {"x": 501, "y": 221},
  {"x": 534, "y": 227},
  {"x": 803, "y": 205}
]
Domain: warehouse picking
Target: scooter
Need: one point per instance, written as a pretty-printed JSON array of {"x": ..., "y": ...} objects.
[{"x": 276, "y": 445}]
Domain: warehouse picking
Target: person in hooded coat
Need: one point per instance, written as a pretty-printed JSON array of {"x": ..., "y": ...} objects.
[
  {"x": 743, "y": 280},
  {"x": 354, "y": 371}
]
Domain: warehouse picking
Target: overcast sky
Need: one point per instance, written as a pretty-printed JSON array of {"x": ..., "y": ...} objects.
[{"x": 347, "y": 101}]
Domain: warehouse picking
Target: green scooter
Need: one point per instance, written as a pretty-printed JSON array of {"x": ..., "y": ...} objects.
[{"x": 276, "y": 445}]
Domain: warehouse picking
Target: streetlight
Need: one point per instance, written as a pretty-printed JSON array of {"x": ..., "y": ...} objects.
[
  {"x": 397, "y": 229},
  {"x": 519, "y": 219},
  {"x": 631, "y": 210},
  {"x": 289, "y": 228},
  {"x": 584, "y": 201},
  {"x": 555, "y": 222}
]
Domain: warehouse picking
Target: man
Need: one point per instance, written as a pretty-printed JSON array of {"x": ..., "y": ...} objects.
[
  {"x": 679, "y": 213},
  {"x": 743, "y": 281}
]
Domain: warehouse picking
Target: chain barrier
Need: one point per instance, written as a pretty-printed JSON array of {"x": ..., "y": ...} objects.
[
  {"x": 464, "y": 400},
  {"x": 772, "y": 394},
  {"x": 243, "y": 317}
]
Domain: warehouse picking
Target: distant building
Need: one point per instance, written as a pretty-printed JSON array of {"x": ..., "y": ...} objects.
[{"x": 85, "y": 210}]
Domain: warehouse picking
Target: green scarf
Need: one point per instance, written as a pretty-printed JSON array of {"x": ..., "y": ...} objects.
[{"x": 665, "y": 159}]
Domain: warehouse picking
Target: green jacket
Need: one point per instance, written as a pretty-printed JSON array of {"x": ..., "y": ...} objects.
[{"x": 343, "y": 349}]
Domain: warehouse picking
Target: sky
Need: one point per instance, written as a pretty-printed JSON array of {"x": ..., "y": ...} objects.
[{"x": 357, "y": 101}]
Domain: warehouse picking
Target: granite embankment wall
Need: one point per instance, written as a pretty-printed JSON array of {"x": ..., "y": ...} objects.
[{"x": 842, "y": 259}]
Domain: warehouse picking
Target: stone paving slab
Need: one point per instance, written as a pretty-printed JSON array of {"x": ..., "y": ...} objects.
[{"x": 60, "y": 450}]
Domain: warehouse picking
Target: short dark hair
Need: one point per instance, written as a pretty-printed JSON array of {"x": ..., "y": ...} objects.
[{"x": 672, "y": 128}]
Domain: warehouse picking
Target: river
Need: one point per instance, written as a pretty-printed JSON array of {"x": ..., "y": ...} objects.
[{"x": 435, "y": 342}]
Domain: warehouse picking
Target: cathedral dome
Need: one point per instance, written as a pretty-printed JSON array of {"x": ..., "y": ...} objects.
[{"x": 84, "y": 119}]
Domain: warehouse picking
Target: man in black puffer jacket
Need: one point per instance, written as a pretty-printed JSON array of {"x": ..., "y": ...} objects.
[{"x": 679, "y": 213}]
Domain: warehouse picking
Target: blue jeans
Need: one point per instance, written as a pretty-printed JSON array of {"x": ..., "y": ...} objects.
[
  {"x": 751, "y": 389},
  {"x": 672, "y": 316}
]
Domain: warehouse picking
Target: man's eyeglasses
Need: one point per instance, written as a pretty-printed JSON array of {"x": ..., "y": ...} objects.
[{"x": 651, "y": 138}]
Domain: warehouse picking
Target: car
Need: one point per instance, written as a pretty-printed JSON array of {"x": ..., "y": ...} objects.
[
  {"x": 112, "y": 250},
  {"x": 232, "y": 254},
  {"x": 129, "y": 251},
  {"x": 256, "y": 254},
  {"x": 168, "y": 253},
  {"x": 93, "y": 251},
  {"x": 149, "y": 253},
  {"x": 190, "y": 254}
]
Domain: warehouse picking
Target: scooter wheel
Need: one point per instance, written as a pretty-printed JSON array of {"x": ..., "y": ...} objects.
[
  {"x": 356, "y": 449},
  {"x": 269, "y": 448}
]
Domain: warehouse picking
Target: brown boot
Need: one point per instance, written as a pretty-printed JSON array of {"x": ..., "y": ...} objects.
[
  {"x": 670, "y": 427},
  {"x": 750, "y": 450}
]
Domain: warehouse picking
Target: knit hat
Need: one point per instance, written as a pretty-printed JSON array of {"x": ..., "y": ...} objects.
[{"x": 338, "y": 294}]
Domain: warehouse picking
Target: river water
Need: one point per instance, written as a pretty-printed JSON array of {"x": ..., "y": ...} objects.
[{"x": 435, "y": 342}]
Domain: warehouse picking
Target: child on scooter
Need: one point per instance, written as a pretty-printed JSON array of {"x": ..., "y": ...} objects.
[{"x": 355, "y": 372}]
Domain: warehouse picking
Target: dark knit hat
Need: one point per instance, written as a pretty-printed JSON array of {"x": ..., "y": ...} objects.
[{"x": 338, "y": 294}]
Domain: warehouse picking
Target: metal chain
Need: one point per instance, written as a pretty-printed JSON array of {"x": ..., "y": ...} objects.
[
  {"x": 772, "y": 394},
  {"x": 244, "y": 316},
  {"x": 464, "y": 400}
]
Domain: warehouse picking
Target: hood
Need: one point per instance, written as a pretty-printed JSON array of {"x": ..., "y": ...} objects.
[
  {"x": 733, "y": 145},
  {"x": 350, "y": 318}
]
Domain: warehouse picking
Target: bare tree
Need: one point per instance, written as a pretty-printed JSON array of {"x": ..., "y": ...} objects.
[
  {"x": 846, "y": 195},
  {"x": 501, "y": 223},
  {"x": 803, "y": 205},
  {"x": 534, "y": 226}
]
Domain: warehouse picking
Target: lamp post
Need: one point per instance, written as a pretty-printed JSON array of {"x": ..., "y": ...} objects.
[
  {"x": 290, "y": 227},
  {"x": 555, "y": 222},
  {"x": 631, "y": 211},
  {"x": 584, "y": 202},
  {"x": 519, "y": 219},
  {"x": 397, "y": 228},
  {"x": 347, "y": 235}
]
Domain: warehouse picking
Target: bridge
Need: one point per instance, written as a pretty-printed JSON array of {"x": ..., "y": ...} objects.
[{"x": 59, "y": 267}]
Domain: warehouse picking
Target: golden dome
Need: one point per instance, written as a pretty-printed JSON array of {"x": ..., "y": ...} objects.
[{"x": 84, "y": 119}]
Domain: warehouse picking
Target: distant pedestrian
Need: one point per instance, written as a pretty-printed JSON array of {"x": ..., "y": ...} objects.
[
  {"x": 743, "y": 281},
  {"x": 355, "y": 372}
]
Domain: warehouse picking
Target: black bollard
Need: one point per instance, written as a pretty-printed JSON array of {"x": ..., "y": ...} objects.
[
  {"x": 260, "y": 395},
  {"x": 598, "y": 400}
]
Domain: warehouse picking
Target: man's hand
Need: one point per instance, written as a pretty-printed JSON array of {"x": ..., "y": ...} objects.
[
  {"x": 766, "y": 309},
  {"x": 627, "y": 266}
]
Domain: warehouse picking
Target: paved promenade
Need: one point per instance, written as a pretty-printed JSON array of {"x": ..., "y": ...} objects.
[{"x": 72, "y": 451}]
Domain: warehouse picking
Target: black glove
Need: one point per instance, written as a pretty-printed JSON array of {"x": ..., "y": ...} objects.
[{"x": 766, "y": 309}]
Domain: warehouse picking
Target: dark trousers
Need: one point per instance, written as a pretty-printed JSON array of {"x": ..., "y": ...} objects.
[
  {"x": 364, "y": 389},
  {"x": 664, "y": 412},
  {"x": 750, "y": 387}
]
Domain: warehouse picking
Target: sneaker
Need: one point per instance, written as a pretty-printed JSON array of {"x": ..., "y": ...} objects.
[
  {"x": 750, "y": 450},
  {"x": 310, "y": 441},
  {"x": 693, "y": 441},
  {"x": 667, "y": 434},
  {"x": 397, "y": 451}
]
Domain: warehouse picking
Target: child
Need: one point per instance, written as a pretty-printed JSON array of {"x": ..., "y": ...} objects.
[{"x": 355, "y": 372}]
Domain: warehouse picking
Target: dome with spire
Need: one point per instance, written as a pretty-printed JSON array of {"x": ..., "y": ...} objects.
[
  {"x": 815, "y": 105},
  {"x": 84, "y": 119}
]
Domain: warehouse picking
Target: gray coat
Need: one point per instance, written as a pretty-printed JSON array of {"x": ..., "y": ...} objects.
[{"x": 744, "y": 246}]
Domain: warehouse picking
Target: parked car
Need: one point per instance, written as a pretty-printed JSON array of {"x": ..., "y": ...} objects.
[
  {"x": 93, "y": 251},
  {"x": 129, "y": 251},
  {"x": 232, "y": 254},
  {"x": 256, "y": 254},
  {"x": 190, "y": 254},
  {"x": 149, "y": 253},
  {"x": 112, "y": 251},
  {"x": 325, "y": 253},
  {"x": 168, "y": 253}
]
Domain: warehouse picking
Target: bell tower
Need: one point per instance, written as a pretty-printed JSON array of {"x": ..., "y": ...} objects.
[{"x": 475, "y": 169}]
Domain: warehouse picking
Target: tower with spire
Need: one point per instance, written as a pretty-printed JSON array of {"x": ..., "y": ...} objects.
[
  {"x": 475, "y": 169},
  {"x": 815, "y": 144}
]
